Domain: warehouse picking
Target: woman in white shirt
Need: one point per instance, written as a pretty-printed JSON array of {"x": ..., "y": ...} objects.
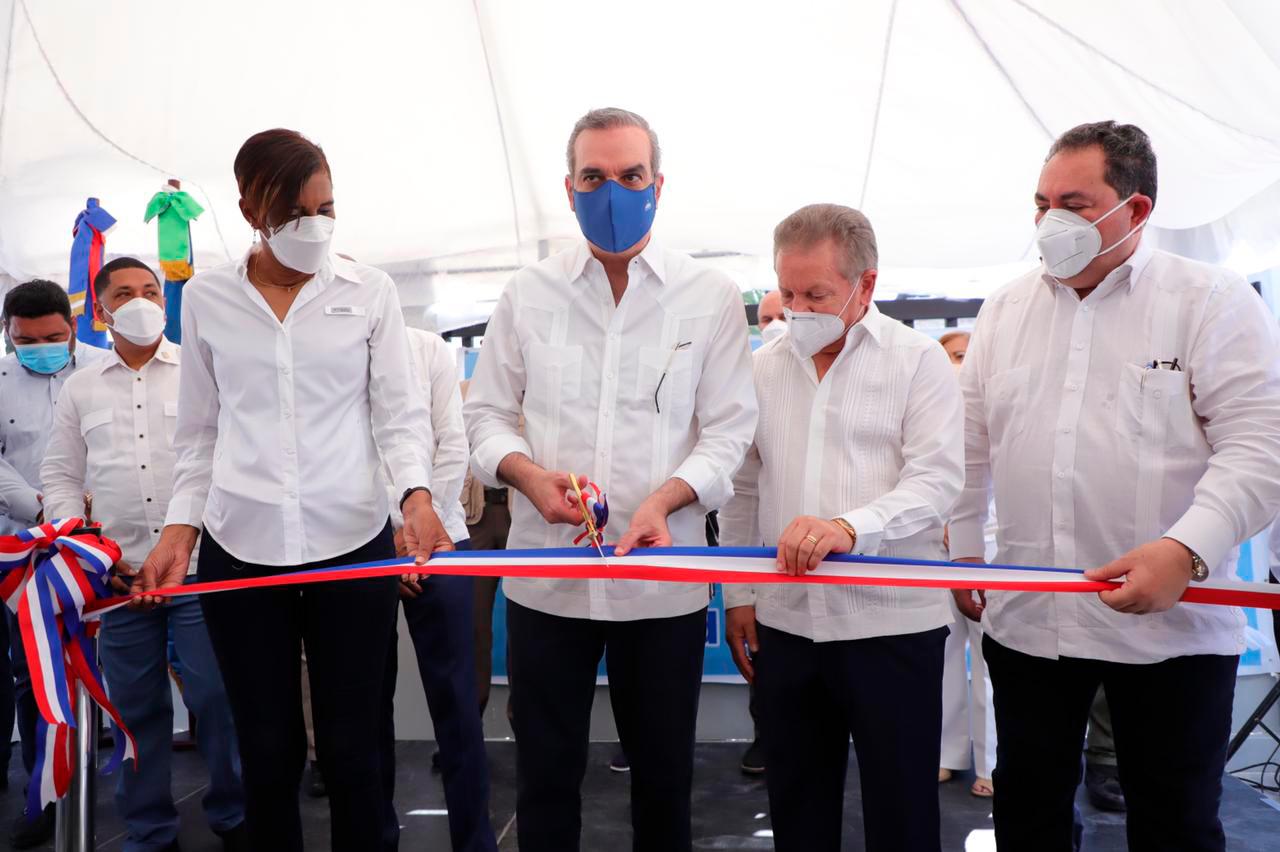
[{"x": 295, "y": 387}]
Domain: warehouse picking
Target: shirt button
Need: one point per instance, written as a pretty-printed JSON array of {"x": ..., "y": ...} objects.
[
  {"x": 142, "y": 436},
  {"x": 1071, "y": 386},
  {"x": 287, "y": 414},
  {"x": 144, "y": 467},
  {"x": 1061, "y": 474},
  {"x": 1087, "y": 309},
  {"x": 284, "y": 370},
  {"x": 1067, "y": 431},
  {"x": 1079, "y": 346},
  {"x": 157, "y": 532},
  {"x": 292, "y": 494},
  {"x": 609, "y": 376},
  {"x": 148, "y": 499},
  {"x": 139, "y": 406},
  {"x": 1158, "y": 394}
]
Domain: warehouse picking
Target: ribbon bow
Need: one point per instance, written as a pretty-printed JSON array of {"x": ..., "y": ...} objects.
[{"x": 47, "y": 576}]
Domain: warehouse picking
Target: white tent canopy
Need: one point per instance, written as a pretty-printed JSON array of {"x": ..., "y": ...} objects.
[{"x": 445, "y": 121}]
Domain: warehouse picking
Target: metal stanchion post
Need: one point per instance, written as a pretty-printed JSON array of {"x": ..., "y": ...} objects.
[{"x": 75, "y": 810}]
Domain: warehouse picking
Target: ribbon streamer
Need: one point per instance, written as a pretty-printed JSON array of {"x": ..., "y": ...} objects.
[
  {"x": 751, "y": 565},
  {"x": 48, "y": 576}
]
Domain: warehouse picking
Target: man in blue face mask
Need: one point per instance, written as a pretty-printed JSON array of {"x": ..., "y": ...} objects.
[
  {"x": 630, "y": 366},
  {"x": 37, "y": 325}
]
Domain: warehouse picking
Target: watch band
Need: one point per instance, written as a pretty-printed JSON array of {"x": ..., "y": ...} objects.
[
  {"x": 847, "y": 527},
  {"x": 409, "y": 492}
]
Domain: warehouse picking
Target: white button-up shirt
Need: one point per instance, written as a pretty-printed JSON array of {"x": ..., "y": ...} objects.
[
  {"x": 879, "y": 442},
  {"x": 113, "y": 436},
  {"x": 27, "y": 404},
  {"x": 436, "y": 364},
  {"x": 605, "y": 392},
  {"x": 282, "y": 426},
  {"x": 1091, "y": 452}
]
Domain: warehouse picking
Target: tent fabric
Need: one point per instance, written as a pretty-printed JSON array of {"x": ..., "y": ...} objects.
[{"x": 445, "y": 122}]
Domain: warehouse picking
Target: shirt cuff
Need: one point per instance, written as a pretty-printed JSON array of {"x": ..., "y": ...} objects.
[
  {"x": 184, "y": 511},
  {"x": 738, "y": 594},
  {"x": 967, "y": 541},
  {"x": 60, "y": 512},
  {"x": 712, "y": 487},
  {"x": 869, "y": 529},
  {"x": 410, "y": 476},
  {"x": 1206, "y": 533},
  {"x": 26, "y": 506},
  {"x": 489, "y": 453}
]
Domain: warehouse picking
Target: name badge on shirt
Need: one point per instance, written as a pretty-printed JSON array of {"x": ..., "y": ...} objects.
[{"x": 344, "y": 311}]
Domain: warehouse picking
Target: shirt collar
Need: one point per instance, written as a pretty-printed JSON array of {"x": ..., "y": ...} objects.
[
  {"x": 871, "y": 325},
  {"x": 652, "y": 257},
  {"x": 334, "y": 266},
  {"x": 168, "y": 352},
  {"x": 1126, "y": 274}
]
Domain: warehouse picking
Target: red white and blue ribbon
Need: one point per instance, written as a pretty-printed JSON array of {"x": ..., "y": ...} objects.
[
  {"x": 750, "y": 565},
  {"x": 48, "y": 576}
]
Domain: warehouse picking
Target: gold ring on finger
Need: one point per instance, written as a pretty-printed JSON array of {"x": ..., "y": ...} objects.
[{"x": 811, "y": 539}]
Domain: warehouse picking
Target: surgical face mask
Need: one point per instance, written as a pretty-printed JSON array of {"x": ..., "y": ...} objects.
[
  {"x": 303, "y": 244},
  {"x": 773, "y": 330},
  {"x": 43, "y": 358},
  {"x": 138, "y": 320},
  {"x": 1068, "y": 242},
  {"x": 811, "y": 332},
  {"x": 613, "y": 217}
]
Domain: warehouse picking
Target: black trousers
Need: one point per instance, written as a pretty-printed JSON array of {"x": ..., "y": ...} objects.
[
  {"x": 440, "y": 624},
  {"x": 1171, "y": 722},
  {"x": 886, "y": 692},
  {"x": 258, "y": 635},
  {"x": 655, "y": 673}
]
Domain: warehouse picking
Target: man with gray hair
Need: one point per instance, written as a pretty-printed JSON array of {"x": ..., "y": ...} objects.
[
  {"x": 630, "y": 365},
  {"x": 860, "y": 433}
]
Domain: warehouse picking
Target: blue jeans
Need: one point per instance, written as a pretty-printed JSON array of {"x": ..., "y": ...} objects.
[{"x": 134, "y": 647}]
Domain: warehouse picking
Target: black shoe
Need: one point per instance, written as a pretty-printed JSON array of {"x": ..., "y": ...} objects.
[
  {"x": 234, "y": 839},
  {"x": 29, "y": 834},
  {"x": 620, "y": 762},
  {"x": 753, "y": 759},
  {"x": 1102, "y": 783},
  {"x": 315, "y": 782}
]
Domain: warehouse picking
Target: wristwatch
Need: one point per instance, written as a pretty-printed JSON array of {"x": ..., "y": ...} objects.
[
  {"x": 847, "y": 527},
  {"x": 1199, "y": 569}
]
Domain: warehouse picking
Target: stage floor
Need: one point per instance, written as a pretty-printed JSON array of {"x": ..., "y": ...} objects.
[{"x": 730, "y": 810}]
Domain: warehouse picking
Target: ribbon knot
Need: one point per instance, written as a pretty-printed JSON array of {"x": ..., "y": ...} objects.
[{"x": 48, "y": 575}]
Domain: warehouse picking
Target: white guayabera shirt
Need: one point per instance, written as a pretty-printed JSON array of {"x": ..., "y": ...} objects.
[
  {"x": 1091, "y": 451},
  {"x": 633, "y": 394},
  {"x": 878, "y": 441}
]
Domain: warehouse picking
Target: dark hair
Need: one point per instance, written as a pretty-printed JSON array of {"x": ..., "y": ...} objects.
[
  {"x": 1131, "y": 164},
  {"x": 271, "y": 168},
  {"x": 35, "y": 299},
  {"x": 103, "y": 278}
]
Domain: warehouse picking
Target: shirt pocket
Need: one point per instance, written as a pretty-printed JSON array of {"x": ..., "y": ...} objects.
[
  {"x": 665, "y": 379},
  {"x": 554, "y": 376},
  {"x": 170, "y": 422},
  {"x": 1155, "y": 405},
  {"x": 1006, "y": 400},
  {"x": 96, "y": 438}
]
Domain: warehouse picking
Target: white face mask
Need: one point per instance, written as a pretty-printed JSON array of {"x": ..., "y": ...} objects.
[
  {"x": 773, "y": 330},
  {"x": 139, "y": 321},
  {"x": 811, "y": 332},
  {"x": 303, "y": 244},
  {"x": 1068, "y": 242}
]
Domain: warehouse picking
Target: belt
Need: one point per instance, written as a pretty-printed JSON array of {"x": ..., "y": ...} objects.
[{"x": 495, "y": 496}]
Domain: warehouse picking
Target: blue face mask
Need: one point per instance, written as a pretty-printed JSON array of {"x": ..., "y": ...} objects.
[
  {"x": 613, "y": 217},
  {"x": 43, "y": 358}
]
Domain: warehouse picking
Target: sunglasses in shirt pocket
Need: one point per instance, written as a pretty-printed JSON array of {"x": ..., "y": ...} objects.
[{"x": 1155, "y": 405}]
